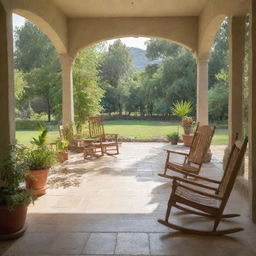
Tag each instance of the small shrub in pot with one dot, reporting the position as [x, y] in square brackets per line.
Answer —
[14, 197]
[173, 138]
[62, 149]
[39, 159]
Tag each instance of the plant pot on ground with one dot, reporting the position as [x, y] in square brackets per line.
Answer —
[39, 159]
[173, 138]
[62, 149]
[187, 139]
[14, 199]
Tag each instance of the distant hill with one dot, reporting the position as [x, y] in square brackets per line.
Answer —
[140, 61]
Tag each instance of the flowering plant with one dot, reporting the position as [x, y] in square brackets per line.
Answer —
[187, 121]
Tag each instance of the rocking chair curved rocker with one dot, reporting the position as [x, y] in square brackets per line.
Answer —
[194, 159]
[206, 204]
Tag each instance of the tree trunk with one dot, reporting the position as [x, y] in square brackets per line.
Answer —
[120, 109]
[48, 108]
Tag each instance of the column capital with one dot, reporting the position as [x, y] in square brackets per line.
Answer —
[66, 59]
[202, 60]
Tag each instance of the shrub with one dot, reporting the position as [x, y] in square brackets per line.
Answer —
[39, 158]
[173, 136]
[26, 125]
[12, 174]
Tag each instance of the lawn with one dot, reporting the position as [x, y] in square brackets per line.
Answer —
[131, 129]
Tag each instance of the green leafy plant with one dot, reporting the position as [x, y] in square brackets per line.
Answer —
[12, 174]
[173, 136]
[40, 141]
[39, 158]
[69, 132]
[187, 121]
[181, 108]
[62, 145]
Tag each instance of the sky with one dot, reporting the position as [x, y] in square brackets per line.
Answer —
[138, 42]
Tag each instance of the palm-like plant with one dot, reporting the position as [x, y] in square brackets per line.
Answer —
[181, 108]
[42, 137]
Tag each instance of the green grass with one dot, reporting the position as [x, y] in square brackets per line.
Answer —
[24, 137]
[131, 128]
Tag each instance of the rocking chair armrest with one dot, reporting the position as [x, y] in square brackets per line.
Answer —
[197, 176]
[194, 183]
[112, 134]
[198, 191]
[177, 152]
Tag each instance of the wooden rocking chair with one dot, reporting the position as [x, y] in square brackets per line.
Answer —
[67, 133]
[107, 143]
[194, 159]
[206, 204]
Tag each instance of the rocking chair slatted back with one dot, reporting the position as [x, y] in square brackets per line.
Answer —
[232, 168]
[200, 144]
[96, 127]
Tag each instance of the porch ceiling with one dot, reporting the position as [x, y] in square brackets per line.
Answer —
[130, 8]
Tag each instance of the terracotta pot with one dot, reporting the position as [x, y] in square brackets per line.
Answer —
[187, 129]
[187, 139]
[63, 156]
[37, 181]
[174, 141]
[208, 157]
[12, 221]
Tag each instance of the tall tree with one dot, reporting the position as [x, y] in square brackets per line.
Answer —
[37, 58]
[218, 61]
[160, 49]
[87, 94]
[114, 69]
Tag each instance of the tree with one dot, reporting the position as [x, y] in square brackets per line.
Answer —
[172, 80]
[87, 94]
[159, 49]
[219, 57]
[116, 64]
[218, 99]
[37, 58]
[20, 87]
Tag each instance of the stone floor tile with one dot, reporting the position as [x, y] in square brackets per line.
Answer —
[132, 244]
[32, 243]
[174, 244]
[101, 243]
[69, 243]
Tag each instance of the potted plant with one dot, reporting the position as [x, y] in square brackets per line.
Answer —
[187, 123]
[14, 198]
[62, 148]
[39, 159]
[182, 109]
[173, 138]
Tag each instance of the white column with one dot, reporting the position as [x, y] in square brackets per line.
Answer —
[67, 89]
[252, 108]
[202, 91]
[236, 58]
[7, 98]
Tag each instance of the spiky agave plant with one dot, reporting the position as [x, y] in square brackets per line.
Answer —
[181, 108]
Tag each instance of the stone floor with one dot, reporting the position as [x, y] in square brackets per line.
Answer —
[110, 206]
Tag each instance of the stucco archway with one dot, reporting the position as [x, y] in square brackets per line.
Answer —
[182, 31]
[207, 37]
[45, 27]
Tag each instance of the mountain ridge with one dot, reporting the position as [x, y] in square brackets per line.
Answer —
[139, 59]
